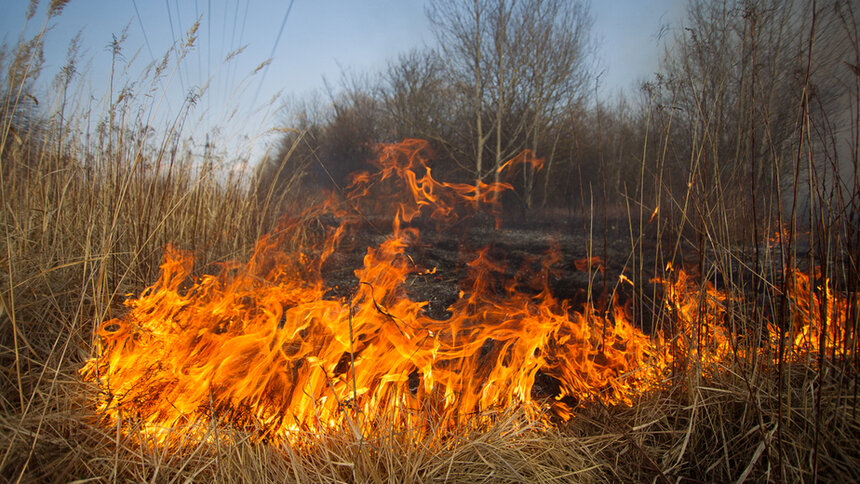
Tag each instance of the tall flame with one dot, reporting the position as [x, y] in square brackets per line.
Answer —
[262, 345]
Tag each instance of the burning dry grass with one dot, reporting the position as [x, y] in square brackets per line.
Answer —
[262, 344]
[750, 419]
[511, 450]
[85, 223]
[746, 419]
[724, 429]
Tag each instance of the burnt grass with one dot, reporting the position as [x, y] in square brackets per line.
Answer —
[518, 248]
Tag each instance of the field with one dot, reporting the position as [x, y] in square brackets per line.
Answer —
[749, 370]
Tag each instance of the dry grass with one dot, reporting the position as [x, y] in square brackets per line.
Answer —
[84, 220]
[715, 432]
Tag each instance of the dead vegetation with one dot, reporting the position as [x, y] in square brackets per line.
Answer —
[86, 216]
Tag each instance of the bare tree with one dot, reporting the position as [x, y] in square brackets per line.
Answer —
[733, 81]
[462, 30]
[517, 64]
[411, 89]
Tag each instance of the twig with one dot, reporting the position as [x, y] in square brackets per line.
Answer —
[383, 312]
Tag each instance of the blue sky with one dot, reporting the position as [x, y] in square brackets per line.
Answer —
[320, 38]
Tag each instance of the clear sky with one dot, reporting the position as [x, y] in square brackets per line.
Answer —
[320, 38]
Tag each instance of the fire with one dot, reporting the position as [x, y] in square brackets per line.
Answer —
[819, 317]
[818, 320]
[781, 234]
[584, 265]
[262, 346]
[699, 315]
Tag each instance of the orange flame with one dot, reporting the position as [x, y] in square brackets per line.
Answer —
[779, 235]
[583, 265]
[819, 317]
[262, 346]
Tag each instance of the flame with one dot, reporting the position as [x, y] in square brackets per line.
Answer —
[819, 317]
[699, 312]
[585, 264]
[818, 320]
[262, 346]
[778, 236]
[654, 213]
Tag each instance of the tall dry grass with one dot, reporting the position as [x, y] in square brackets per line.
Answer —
[754, 159]
[91, 193]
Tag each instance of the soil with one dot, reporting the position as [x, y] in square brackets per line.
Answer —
[519, 246]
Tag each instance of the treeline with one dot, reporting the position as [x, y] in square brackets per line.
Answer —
[752, 115]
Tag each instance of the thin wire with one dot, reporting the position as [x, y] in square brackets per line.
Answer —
[148, 46]
[272, 54]
[145, 37]
[178, 27]
[173, 36]
[200, 78]
[244, 22]
[231, 69]
[209, 51]
[199, 60]
[241, 39]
